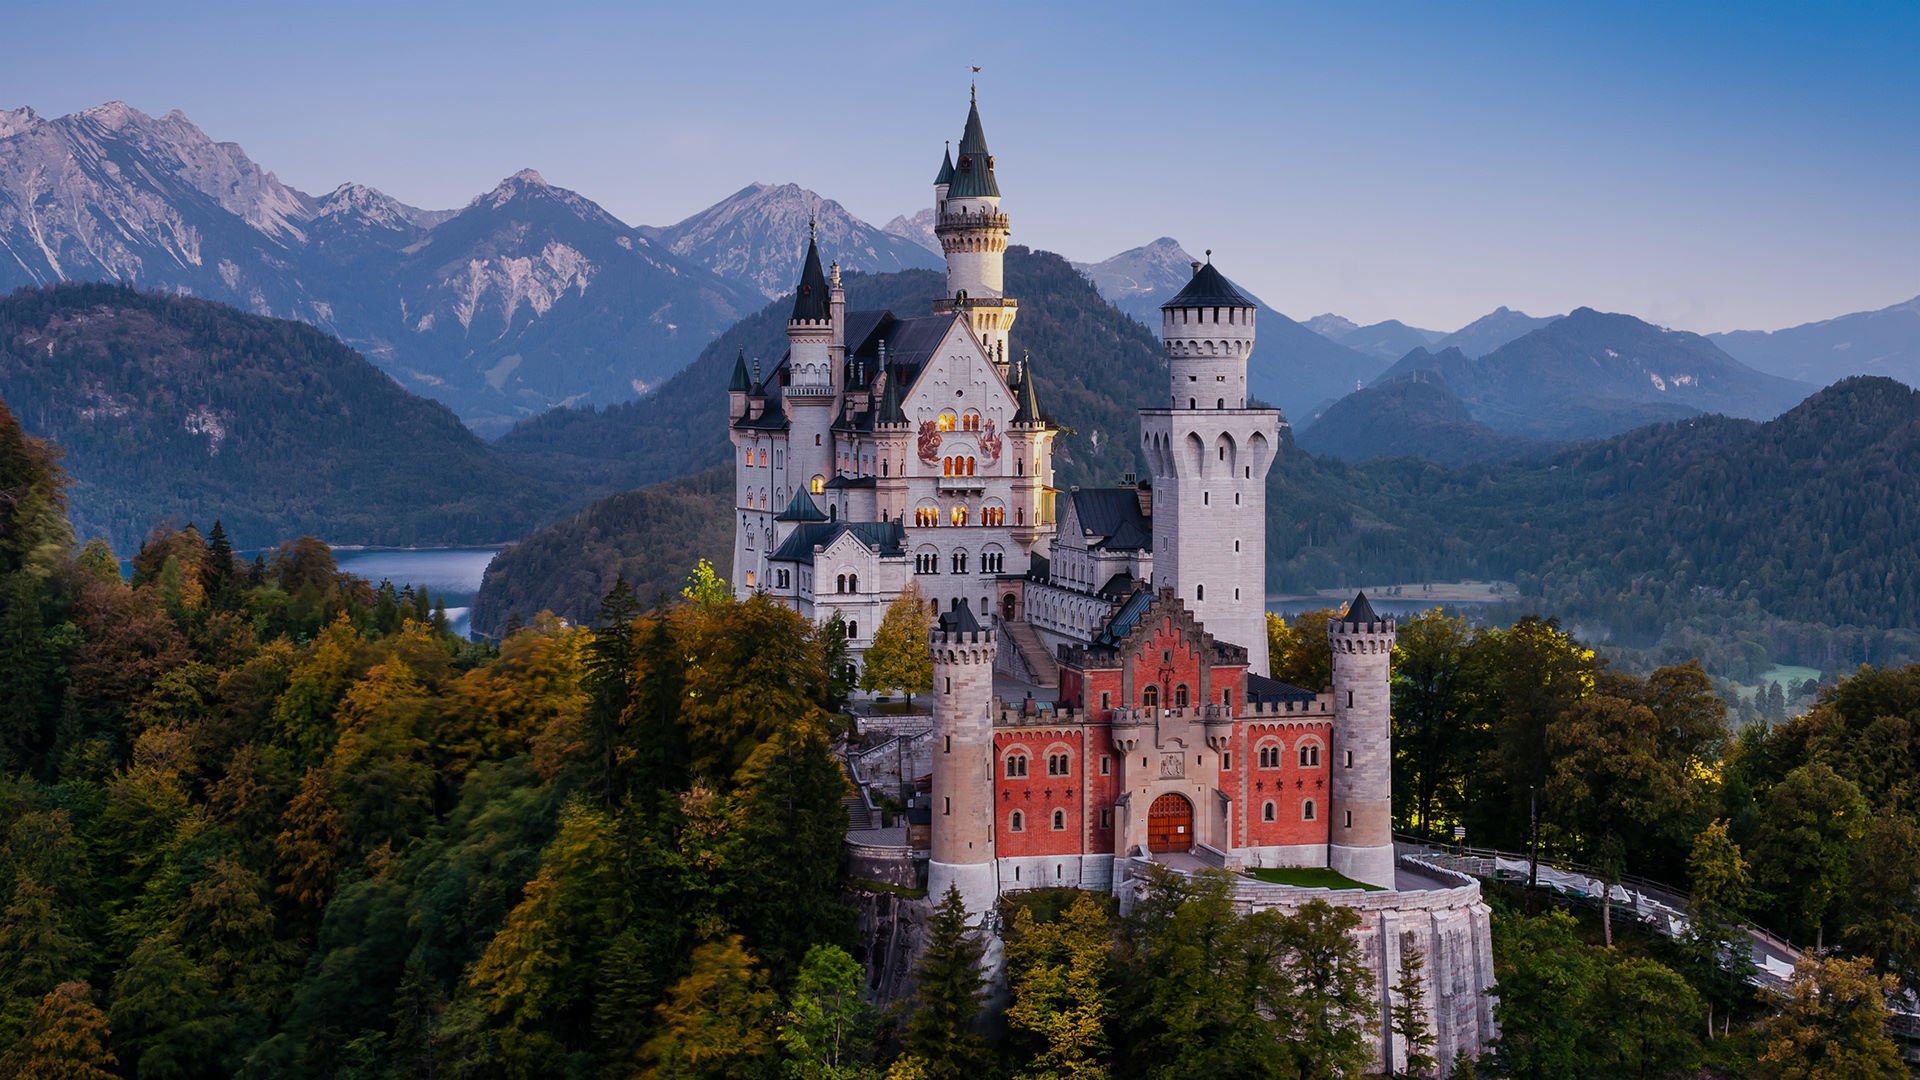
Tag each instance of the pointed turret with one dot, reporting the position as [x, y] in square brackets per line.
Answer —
[740, 383]
[801, 508]
[1026, 402]
[1360, 612]
[945, 176]
[973, 172]
[810, 300]
[891, 411]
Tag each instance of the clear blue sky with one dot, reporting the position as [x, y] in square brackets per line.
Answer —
[1706, 166]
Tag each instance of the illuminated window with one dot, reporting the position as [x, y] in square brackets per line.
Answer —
[818, 485]
[946, 420]
[958, 515]
[763, 457]
[749, 579]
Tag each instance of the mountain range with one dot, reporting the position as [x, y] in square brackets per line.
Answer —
[1884, 342]
[1587, 375]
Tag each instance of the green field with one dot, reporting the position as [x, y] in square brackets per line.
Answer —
[1308, 877]
[1786, 674]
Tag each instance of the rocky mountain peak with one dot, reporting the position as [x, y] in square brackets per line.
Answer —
[15, 121]
[360, 203]
[917, 229]
[1330, 326]
[757, 234]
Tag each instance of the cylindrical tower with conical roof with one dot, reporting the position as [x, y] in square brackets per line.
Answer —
[1360, 776]
[973, 234]
[963, 807]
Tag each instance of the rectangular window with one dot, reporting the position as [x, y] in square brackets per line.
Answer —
[1226, 762]
[1106, 699]
[1349, 759]
[948, 808]
[1349, 819]
[1106, 765]
[1106, 819]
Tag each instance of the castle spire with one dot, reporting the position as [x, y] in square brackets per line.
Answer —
[810, 299]
[973, 172]
[739, 383]
[945, 176]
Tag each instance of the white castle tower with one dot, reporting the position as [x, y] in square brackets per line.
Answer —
[1360, 779]
[973, 234]
[963, 809]
[1210, 454]
[814, 348]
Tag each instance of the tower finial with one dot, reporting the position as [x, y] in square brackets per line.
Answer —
[1209, 256]
[813, 232]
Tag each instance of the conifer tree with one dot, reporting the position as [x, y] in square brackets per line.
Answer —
[1058, 975]
[216, 567]
[898, 658]
[940, 1035]
[717, 1022]
[1408, 1014]
[1776, 703]
[66, 1039]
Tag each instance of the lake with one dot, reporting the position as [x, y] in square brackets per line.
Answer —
[450, 574]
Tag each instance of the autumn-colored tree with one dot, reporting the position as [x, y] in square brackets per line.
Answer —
[828, 1028]
[66, 1039]
[718, 1021]
[706, 587]
[940, 1032]
[898, 658]
[1299, 651]
[1833, 1025]
[307, 849]
[1057, 971]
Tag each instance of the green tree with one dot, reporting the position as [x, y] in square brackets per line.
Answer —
[1407, 1016]
[940, 1034]
[1882, 909]
[1329, 1031]
[718, 1021]
[898, 658]
[828, 1028]
[1833, 1025]
[1534, 671]
[1804, 843]
[1057, 971]
[167, 1021]
[1431, 738]
[706, 587]
[1717, 947]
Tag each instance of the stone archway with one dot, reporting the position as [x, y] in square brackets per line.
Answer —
[1170, 824]
[1007, 607]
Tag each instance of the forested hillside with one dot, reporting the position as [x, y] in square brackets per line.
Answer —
[166, 406]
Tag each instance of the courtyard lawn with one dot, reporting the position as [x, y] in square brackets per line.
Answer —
[1308, 877]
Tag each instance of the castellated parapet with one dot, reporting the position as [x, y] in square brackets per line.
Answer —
[1360, 838]
[962, 836]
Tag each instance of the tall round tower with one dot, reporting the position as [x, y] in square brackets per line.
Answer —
[1360, 828]
[962, 856]
[1210, 455]
[973, 234]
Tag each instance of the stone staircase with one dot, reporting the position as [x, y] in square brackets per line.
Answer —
[859, 815]
[1033, 652]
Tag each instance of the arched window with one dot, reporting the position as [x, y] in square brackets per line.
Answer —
[1270, 756]
[969, 466]
[1150, 697]
[1016, 822]
[1267, 812]
[853, 583]
[1199, 592]
[959, 562]
[763, 458]
[958, 515]
[1057, 764]
[1307, 811]
[1310, 755]
[1016, 764]
[1180, 696]
[946, 420]
[818, 485]
[946, 466]
[840, 584]
[1059, 820]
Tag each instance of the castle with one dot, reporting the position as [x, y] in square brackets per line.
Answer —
[1100, 698]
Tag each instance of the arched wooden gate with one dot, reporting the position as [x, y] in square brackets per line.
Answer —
[1170, 824]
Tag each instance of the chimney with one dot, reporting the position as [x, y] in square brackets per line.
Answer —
[1196, 265]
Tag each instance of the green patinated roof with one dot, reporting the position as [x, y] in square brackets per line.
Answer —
[810, 299]
[800, 508]
[945, 176]
[973, 173]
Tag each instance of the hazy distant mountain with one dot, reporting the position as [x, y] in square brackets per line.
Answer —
[1883, 342]
[1292, 367]
[1593, 374]
[1492, 330]
[757, 235]
[1413, 414]
[917, 228]
[1330, 326]
[1389, 340]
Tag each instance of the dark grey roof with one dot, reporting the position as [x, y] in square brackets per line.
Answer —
[739, 383]
[1360, 612]
[973, 173]
[945, 176]
[798, 547]
[959, 621]
[1117, 586]
[772, 418]
[1112, 516]
[1261, 688]
[890, 411]
[800, 508]
[1026, 403]
[839, 483]
[810, 299]
[910, 342]
[1208, 288]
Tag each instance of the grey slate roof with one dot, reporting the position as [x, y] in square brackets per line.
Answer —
[959, 621]
[1113, 515]
[801, 508]
[810, 299]
[1026, 402]
[1261, 688]
[798, 547]
[1208, 288]
[973, 173]
[945, 175]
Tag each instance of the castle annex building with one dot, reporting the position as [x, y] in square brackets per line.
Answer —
[1101, 698]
